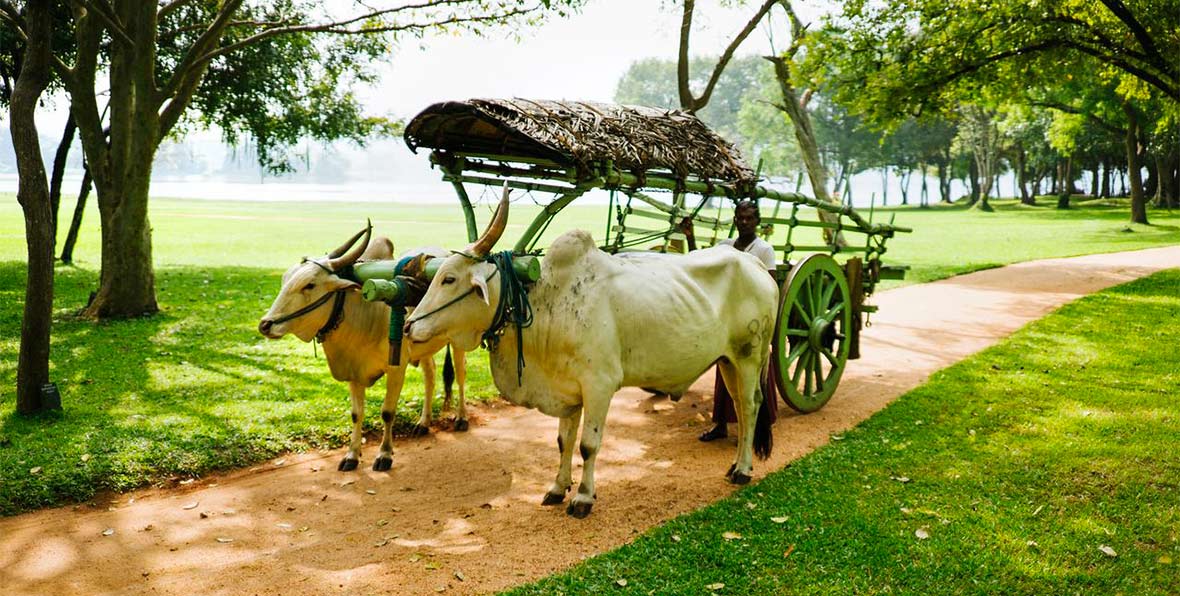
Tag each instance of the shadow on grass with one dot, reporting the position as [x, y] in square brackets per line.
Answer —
[193, 389]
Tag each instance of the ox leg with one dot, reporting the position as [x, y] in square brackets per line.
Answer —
[395, 378]
[460, 360]
[357, 392]
[428, 370]
[593, 427]
[743, 386]
[567, 433]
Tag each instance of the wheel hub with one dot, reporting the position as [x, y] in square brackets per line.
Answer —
[818, 332]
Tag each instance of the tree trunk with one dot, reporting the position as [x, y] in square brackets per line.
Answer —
[1151, 185]
[944, 182]
[1022, 176]
[1138, 198]
[884, 185]
[33, 194]
[904, 179]
[973, 179]
[1174, 188]
[67, 249]
[985, 184]
[808, 147]
[924, 196]
[1105, 179]
[1094, 182]
[59, 169]
[1065, 177]
[127, 282]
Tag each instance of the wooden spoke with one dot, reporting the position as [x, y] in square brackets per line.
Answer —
[814, 319]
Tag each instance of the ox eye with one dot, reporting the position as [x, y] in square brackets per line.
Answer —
[309, 287]
[450, 279]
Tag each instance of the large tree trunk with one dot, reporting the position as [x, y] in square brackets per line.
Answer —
[67, 249]
[33, 194]
[1022, 176]
[985, 183]
[973, 179]
[944, 182]
[1151, 185]
[127, 283]
[1094, 182]
[1138, 198]
[1173, 194]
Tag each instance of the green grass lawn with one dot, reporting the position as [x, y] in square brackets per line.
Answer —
[1012, 472]
[196, 389]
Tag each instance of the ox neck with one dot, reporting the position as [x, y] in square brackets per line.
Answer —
[334, 319]
[512, 307]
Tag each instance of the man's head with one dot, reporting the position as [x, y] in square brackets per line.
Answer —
[746, 217]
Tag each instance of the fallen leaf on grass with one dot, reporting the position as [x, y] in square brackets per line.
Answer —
[782, 519]
[622, 583]
[716, 586]
[35, 471]
[85, 457]
[1164, 560]
[901, 479]
[675, 538]
[1038, 510]
[921, 533]
[750, 505]
[192, 505]
[731, 536]
[790, 549]
[1032, 544]
[1106, 550]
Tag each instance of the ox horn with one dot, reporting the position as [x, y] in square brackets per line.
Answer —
[337, 260]
[484, 245]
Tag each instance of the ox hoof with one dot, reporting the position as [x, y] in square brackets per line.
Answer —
[729, 472]
[739, 478]
[460, 425]
[347, 465]
[553, 499]
[578, 510]
[419, 431]
[382, 464]
[675, 396]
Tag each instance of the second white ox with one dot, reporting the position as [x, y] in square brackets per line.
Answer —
[319, 302]
[601, 323]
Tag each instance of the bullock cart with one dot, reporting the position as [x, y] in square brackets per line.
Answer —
[658, 168]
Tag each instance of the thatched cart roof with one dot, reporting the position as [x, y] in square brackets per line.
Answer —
[579, 132]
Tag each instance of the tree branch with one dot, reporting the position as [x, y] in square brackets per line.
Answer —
[118, 31]
[191, 64]
[729, 51]
[1068, 109]
[686, 98]
[1120, 11]
[168, 7]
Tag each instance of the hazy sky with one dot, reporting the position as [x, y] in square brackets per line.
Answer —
[580, 57]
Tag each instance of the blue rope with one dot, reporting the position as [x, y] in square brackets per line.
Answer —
[513, 307]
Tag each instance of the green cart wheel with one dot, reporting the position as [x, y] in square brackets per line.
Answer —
[811, 334]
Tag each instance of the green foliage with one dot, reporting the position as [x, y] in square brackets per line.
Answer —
[1005, 474]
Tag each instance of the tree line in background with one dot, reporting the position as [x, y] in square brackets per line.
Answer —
[966, 89]
[1060, 121]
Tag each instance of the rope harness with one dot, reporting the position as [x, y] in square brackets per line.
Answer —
[337, 315]
[513, 306]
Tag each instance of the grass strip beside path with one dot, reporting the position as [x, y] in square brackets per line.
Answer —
[1044, 465]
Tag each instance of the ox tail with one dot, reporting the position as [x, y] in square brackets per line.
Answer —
[448, 375]
[763, 438]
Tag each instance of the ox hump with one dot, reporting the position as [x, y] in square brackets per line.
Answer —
[569, 248]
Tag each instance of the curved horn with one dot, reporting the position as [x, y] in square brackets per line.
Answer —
[344, 247]
[484, 245]
[339, 262]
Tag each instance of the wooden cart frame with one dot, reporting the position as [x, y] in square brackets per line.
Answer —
[566, 149]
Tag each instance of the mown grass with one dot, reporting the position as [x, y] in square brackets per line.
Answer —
[1020, 464]
[196, 389]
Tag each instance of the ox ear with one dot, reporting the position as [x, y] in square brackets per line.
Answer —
[337, 284]
[481, 288]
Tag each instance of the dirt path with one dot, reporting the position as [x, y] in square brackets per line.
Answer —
[468, 504]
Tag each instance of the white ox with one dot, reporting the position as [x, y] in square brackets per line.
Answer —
[356, 343]
[603, 322]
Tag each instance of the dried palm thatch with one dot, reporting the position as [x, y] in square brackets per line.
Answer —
[577, 133]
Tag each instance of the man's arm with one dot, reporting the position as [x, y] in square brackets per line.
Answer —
[685, 228]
